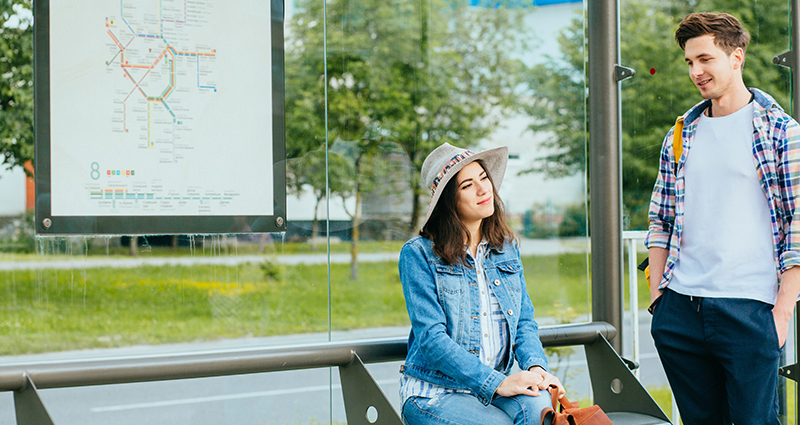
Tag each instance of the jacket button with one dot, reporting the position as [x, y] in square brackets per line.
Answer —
[497, 282]
[510, 312]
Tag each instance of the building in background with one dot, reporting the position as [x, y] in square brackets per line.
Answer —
[16, 192]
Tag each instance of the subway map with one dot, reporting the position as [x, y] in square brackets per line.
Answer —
[160, 107]
[165, 74]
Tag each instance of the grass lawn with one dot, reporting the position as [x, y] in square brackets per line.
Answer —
[54, 310]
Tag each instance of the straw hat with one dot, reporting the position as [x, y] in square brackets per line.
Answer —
[446, 161]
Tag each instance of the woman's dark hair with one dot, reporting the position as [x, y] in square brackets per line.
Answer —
[445, 229]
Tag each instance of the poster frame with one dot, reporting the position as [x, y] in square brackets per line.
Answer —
[47, 224]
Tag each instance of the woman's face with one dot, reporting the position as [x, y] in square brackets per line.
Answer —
[474, 194]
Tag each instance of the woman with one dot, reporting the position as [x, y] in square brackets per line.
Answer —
[470, 312]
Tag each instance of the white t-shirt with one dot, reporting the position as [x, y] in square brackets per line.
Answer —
[726, 245]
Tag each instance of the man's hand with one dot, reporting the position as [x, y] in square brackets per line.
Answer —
[529, 382]
[784, 305]
[781, 326]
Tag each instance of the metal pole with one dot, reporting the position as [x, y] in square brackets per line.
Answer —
[633, 280]
[605, 171]
[791, 60]
[794, 58]
[204, 364]
[795, 67]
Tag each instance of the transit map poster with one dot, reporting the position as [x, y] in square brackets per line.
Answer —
[162, 108]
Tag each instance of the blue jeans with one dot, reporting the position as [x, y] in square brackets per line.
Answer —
[465, 409]
[721, 357]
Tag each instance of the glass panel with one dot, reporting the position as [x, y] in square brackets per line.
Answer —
[405, 77]
[81, 298]
[546, 186]
[372, 87]
[660, 92]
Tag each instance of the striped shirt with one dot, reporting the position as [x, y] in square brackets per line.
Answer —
[494, 336]
[776, 155]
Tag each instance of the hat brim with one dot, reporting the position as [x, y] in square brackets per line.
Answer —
[495, 160]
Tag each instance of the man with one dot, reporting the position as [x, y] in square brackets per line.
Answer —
[724, 236]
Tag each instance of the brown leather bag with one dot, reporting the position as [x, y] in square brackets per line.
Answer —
[570, 414]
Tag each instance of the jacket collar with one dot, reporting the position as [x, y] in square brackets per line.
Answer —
[763, 102]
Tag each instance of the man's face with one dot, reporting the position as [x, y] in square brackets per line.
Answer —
[711, 70]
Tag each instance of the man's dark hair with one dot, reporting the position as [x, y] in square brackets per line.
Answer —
[727, 31]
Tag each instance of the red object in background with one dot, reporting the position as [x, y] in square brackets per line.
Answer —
[652, 71]
[30, 188]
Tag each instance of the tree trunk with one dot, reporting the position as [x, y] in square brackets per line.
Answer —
[355, 236]
[174, 242]
[134, 246]
[413, 181]
[415, 211]
[414, 178]
[315, 225]
[262, 243]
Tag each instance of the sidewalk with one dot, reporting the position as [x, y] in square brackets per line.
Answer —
[527, 247]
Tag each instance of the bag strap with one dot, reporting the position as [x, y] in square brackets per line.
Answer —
[565, 403]
[677, 149]
[677, 142]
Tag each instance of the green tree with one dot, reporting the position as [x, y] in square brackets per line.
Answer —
[418, 73]
[367, 157]
[16, 84]
[409, 73]
[574, 221]
[652, 100]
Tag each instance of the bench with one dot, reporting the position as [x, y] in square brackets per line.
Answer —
[615, 387]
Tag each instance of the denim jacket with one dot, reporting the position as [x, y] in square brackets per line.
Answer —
[443, 305]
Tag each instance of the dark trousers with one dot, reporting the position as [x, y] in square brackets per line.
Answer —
[721, 358]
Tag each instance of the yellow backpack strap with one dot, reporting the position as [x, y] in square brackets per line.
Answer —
[677, 142]
[677, 148]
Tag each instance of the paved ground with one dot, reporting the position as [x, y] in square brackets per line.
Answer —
[528, 247]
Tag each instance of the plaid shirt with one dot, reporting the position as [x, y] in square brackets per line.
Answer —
[776, 156]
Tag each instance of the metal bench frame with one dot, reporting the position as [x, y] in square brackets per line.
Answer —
[616, 389]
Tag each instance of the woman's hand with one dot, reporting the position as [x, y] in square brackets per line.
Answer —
[529, 382]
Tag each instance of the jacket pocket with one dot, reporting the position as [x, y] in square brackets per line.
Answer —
[509, 287]
[449, 278]
[511, 272]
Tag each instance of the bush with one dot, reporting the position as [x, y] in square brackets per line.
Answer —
[574, 221]
[273, 270]
[18, 236]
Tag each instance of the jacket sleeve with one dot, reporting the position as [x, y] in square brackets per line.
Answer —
[662, 202]
[430, 331]
[789, 177]
[528, 347]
